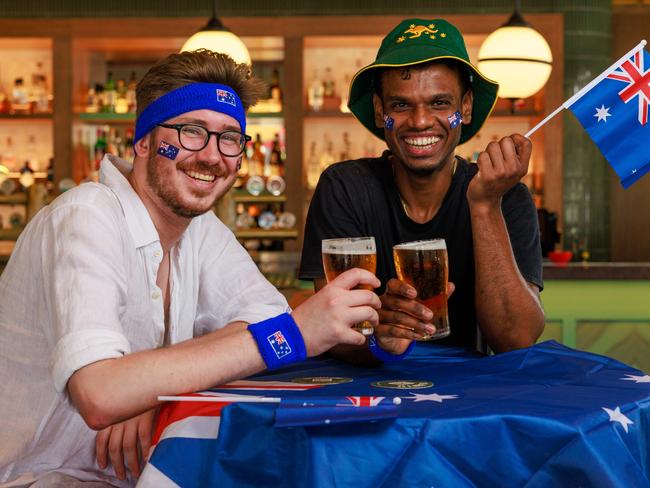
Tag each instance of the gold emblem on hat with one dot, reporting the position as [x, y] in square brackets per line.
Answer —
[418, 30]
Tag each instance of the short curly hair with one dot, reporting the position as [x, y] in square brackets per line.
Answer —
[200, 66]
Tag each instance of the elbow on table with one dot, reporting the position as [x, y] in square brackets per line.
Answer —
[94, 403]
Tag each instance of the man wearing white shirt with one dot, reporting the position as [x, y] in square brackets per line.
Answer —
[130, 288]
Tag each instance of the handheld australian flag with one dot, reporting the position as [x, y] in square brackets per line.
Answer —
[614, 112]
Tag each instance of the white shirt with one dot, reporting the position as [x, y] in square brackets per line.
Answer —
[81, 287]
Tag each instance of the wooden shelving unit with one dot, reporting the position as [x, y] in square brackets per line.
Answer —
[76, 44]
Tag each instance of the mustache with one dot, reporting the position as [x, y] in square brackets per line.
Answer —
[205, 168]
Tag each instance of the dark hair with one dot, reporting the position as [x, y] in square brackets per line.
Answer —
[200, 66]
[463, 72]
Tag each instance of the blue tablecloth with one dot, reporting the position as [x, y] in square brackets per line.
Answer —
[538, 417]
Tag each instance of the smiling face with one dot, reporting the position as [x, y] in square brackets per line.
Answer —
[190, 184]
[420, 99]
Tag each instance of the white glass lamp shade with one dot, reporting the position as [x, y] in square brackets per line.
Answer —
[221, 41]
[518, 58]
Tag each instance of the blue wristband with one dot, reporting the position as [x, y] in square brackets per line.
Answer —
[384, 355]
[279, 341]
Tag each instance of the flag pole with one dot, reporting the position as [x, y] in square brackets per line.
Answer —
[188, 398]
[577, 96]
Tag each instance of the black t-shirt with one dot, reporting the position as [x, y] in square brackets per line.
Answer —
[359, 198]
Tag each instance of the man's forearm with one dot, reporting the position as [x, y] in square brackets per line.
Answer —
[113, 390]
[508, 309]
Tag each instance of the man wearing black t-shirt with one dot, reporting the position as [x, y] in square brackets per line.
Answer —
[423, 97]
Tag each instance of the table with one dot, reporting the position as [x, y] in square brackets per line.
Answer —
[537, 417]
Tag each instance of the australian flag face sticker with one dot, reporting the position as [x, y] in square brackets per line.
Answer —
[225, 96]
[455, 119]
[279, 344]
[168, 150]
[388, 122]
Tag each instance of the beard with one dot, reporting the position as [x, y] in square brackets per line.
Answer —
[171, 197]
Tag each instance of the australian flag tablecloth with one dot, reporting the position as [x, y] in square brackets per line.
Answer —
[444, 417]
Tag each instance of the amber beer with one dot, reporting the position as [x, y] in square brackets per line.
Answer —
[424, 266]
[339, 255]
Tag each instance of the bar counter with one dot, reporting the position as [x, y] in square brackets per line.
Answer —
[597, 271]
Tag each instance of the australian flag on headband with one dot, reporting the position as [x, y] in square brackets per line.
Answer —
[614, 113]
[543, 416]
[225, 96]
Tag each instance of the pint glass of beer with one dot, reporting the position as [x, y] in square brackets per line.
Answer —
[339, 255]
[424, 266]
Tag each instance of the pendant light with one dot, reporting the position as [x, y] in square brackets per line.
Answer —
[517, 57]
[216, 37]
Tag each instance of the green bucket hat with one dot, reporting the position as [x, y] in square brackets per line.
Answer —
[416, 41]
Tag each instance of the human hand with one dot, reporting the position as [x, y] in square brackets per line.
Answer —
[501, 166]
[126, 444]
[402, 318]
[325, 318]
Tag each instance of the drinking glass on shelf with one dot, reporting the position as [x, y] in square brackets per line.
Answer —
[424, 266]
[339, 255]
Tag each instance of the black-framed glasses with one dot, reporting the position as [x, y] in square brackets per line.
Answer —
[195, 137]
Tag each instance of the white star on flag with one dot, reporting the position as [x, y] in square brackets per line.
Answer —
[431, 397]
[602, 113]
[616, 416]
[637, 379]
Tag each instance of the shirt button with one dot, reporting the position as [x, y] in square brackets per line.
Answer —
[155, 295]
[157, 253]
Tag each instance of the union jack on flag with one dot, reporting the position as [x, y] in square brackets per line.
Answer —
[637, 83]
[619, 128]
[365, 401]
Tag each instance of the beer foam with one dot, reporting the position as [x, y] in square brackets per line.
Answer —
[349, 246]
[431, 245]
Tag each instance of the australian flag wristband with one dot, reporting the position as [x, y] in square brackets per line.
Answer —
[279, 341]
[384, 355]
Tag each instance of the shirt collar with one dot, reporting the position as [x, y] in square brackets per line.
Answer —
[113, 173]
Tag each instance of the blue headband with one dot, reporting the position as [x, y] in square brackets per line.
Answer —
[196, 96]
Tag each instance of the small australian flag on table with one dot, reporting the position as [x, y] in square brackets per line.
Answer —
[279, 344]
[167, 150]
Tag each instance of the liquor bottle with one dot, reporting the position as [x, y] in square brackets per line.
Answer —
[99, 151]
[256, 162]
[327, 156]
[315, 93]
[81, 167]
[313, 170]
[329, 86]
[31, 153]
[4, 100]
[8, 155]
[100, 98]
[121, 103]
[110, 93]
[345, 91]
[276, 163]
[129, 151]
[40, 90]
[19, 99]
[130, 92]
[92, 103]
[275, 90]
[112, 142]
[345, 147]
